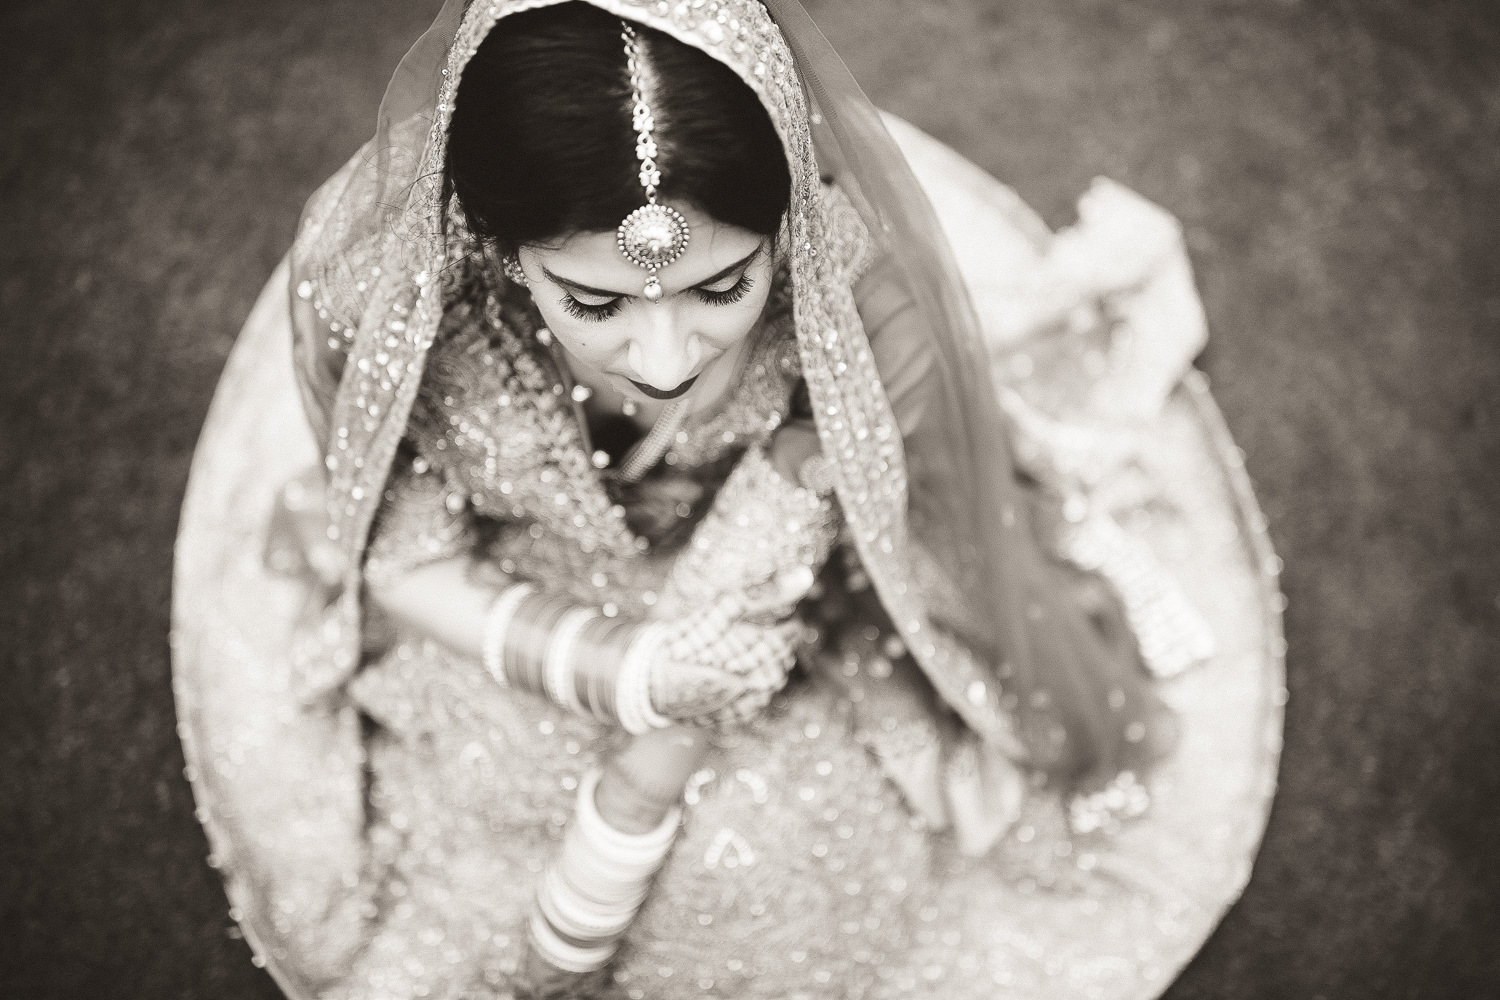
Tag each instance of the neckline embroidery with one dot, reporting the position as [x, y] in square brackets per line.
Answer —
[493, 416]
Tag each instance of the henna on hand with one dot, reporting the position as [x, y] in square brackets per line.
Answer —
[689, 692]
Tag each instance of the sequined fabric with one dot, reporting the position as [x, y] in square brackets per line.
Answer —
[806, 866]
[380, 811]
[389, 314]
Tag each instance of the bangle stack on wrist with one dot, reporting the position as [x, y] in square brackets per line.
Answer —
[582, 661]
[601, 641]
[633, 683]
[528, 638]
[590, 894]
[559, 668]
[496, 625]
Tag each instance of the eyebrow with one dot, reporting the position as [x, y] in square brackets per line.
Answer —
[606, 294]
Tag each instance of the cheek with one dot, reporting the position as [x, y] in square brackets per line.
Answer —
[585, 340]
[726, 326]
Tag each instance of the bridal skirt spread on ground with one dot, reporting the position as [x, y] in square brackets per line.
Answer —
[387, 845]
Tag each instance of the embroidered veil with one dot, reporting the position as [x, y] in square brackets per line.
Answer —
[919, 447]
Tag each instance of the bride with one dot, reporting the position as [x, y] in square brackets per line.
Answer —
[671, 585]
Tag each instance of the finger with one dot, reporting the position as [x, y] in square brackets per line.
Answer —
[749, 640]
[779, 647]
[684, 650]
[688, 691]
[746, 664]
[710, 620]
[769, 673]
[726, 654]
[695, 642]
[726, 609]
[744, 637]
[727, 715]
[774, 675]
[747, 708]
[707, 627]
[790, 631]
[765, 685]
[779, 593]
[736, 711]
[719, 634]
[739, 638]
[771, 655]
[751, 633]
[723, 616]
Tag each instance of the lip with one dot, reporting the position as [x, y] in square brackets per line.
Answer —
[655, 393]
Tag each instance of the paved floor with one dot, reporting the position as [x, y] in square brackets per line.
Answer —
[1337, 166]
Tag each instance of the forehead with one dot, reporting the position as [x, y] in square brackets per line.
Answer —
[595, 259]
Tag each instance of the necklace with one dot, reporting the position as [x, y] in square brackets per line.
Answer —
[645, 453]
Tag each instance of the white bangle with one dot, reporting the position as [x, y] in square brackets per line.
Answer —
[559, 666]
[633, 683]
[575, 915]
[617, 845]
[604, 872]
[598, 883]
[496, 625]
[601, 886]
[568, 957]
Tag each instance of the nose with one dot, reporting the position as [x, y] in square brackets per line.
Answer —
[663, 352]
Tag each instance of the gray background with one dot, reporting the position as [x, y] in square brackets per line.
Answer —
[1335, 166]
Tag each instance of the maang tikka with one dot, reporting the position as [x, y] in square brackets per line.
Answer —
[654, 235]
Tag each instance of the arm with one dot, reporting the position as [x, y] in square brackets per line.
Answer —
[445, 600]
[682, 670]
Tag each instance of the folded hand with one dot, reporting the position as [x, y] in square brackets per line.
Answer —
[726, 662]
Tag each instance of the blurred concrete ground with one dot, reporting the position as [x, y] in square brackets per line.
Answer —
[1336, 164]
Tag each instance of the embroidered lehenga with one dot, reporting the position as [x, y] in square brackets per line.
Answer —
[895, 823]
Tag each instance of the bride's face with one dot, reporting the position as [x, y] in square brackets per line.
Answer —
[688, 343]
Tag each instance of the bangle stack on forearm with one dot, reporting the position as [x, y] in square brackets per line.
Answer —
[591, 892]
[577, 657]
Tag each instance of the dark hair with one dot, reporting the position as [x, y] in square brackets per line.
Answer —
[541, 143]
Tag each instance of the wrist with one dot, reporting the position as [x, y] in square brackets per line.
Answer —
[497, 623]
[590, 894]
[575, 656]
[627, 804]
[560, 669]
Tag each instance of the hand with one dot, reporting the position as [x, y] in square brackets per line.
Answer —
[730, 679]
[539, 979]
[725, 663]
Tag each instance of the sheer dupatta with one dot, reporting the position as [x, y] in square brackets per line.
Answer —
[909, 418]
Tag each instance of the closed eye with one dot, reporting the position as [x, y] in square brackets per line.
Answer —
[589, 311]
[727, 296]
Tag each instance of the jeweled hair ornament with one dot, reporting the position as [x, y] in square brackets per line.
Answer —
[654, 235]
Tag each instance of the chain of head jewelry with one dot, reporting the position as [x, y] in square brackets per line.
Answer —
[654, 235]
[640, 114]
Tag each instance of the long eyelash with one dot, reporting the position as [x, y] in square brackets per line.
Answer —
[728, 296]
[584, 311]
